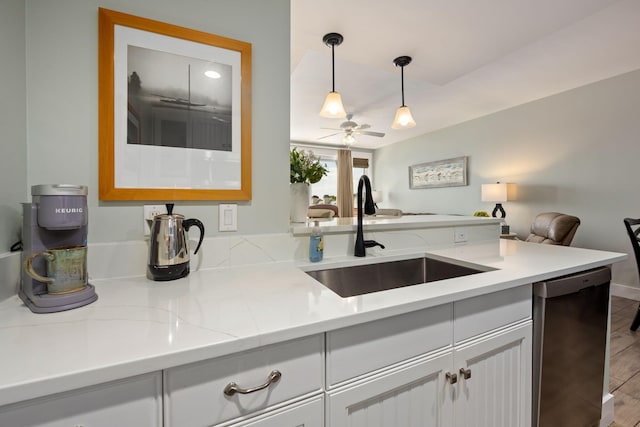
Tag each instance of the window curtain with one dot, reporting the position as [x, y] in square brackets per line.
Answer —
[345, 183]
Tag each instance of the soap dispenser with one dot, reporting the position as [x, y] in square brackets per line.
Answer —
[316, 243]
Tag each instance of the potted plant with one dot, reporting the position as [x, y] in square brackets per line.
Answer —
[306, 169]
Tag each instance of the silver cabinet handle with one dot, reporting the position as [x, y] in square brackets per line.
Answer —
[452, 378]
[233, 388]
[465, 373]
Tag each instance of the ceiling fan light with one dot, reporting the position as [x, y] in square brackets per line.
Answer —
[403, 119]
[348, 139]
[332, 107]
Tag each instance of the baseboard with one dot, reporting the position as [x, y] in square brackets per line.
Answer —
[607, 410]
[624, 291]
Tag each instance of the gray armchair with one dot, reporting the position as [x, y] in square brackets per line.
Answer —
[553, 228]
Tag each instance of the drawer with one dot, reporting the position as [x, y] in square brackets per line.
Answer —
[135, 401]
[308, 413]
[359, 349]
[194, 393]
[475, 316]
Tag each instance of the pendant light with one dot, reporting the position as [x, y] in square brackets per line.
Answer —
[403, 119]
[332, 107]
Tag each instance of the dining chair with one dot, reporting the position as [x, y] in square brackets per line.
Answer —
[633, 230]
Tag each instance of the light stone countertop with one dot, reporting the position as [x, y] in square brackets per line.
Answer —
[387, 222]
[139, 326]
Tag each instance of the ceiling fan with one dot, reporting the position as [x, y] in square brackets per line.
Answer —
[351, 128]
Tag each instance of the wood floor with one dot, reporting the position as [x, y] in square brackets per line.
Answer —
[624, 370]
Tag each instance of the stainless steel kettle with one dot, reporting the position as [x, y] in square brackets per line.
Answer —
[168, 245]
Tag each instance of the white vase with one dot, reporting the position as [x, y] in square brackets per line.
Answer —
[298, 202]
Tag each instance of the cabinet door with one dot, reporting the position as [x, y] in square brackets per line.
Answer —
[309, 413]
[412, 395]
[131, 402]
[498, 390]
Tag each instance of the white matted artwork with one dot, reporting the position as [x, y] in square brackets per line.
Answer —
[175, 119]
[441, 173]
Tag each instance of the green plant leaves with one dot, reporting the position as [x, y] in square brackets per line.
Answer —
[305, 167]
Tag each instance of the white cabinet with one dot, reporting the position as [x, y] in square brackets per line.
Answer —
[493, 387]
[361, 349]
[195, 394]
[482, 378]
[412, 395]
[134, 401]
[492, 345]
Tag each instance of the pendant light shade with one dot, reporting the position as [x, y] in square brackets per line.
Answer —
[332, 107]
[403, 118]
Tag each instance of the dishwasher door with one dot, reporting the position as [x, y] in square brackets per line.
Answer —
[570, 332]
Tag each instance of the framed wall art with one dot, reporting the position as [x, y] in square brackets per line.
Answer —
[174, 112]
[441, 173]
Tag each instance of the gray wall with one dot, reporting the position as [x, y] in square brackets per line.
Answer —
[577, 152]
[13, 161]
[62, 105]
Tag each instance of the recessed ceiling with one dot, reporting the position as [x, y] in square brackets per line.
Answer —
[470, 58]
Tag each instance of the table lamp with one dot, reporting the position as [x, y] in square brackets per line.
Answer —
[499, 193]
[377, 197]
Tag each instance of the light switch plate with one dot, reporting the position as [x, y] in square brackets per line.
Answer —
[228, 218]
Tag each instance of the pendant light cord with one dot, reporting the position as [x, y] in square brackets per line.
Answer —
[333, 69]
[402, 83]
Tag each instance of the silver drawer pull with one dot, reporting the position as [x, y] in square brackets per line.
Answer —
[465, 373]
[452, 378]
[232, 388]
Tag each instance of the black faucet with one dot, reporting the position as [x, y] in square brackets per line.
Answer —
[369, 209]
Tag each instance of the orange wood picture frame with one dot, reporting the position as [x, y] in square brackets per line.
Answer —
[107, 20]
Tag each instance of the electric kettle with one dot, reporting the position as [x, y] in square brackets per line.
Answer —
[168, 245]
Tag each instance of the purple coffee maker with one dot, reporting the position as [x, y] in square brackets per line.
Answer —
[56, 217]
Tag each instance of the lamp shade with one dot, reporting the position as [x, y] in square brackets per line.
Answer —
[377, 196]
[403, 119]
[332, 107]
[499, 192]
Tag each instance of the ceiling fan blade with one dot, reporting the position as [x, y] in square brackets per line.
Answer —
[328, 136]
[369, 133]
[332, 129]
[363, 126]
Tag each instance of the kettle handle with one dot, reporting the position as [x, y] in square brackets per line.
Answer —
[187, 223]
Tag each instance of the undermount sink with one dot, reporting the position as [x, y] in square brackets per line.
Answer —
[364, 279]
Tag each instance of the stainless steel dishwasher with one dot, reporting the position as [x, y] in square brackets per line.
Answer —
[569, 340]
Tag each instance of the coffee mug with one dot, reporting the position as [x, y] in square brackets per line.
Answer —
[66, 269]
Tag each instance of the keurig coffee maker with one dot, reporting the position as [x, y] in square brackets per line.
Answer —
[54, 238]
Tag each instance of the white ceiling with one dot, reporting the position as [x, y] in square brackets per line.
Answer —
[470, 58]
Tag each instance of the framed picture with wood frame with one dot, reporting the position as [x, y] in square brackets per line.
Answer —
[174, 112]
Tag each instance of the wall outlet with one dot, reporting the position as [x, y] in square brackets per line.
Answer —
[459, 236]
[149, 212]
